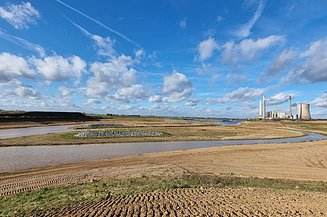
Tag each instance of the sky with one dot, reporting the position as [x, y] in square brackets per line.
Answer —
[166, 57]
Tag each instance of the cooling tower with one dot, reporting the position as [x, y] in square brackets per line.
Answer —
[303, 111]
[299, 110]
[306, 112]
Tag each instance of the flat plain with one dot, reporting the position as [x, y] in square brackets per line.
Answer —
[249, 180]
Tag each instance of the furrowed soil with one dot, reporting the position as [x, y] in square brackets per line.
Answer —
[204, 202]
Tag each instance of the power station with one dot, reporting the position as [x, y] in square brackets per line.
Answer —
[303, 111]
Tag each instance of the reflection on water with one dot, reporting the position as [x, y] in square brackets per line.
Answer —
[20, 158]
[30, 131]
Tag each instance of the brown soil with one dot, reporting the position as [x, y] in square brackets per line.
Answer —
[297, 161]
[205, 202]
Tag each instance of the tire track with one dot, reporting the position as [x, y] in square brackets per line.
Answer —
[204, 202]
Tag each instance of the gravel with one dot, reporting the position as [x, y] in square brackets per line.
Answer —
[92, 134]
[92, 126]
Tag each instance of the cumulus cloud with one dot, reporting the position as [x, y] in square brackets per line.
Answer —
[247, 49]
[242, 94]
[206, 48]
[18, 89]
[135, 91]
[155, 98]
[12, 67]
[321, 101]
[20, 16]
[245, 30]
[278, 99]
[28, 92]
[281, 62]
[176, 87]
[59, 68]
[314, 67]
[115, 80]
[237, 78]
[104, 45]
[65, 91]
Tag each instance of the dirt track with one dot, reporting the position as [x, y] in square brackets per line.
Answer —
[205, 202]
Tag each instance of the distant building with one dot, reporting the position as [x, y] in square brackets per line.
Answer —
[276, 115]
[303, 111]
[263, 108]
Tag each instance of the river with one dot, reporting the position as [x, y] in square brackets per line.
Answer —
[22, 158]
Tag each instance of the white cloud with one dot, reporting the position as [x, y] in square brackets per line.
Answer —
[12, 66]
[219, 18]
[58, 68]
[281, 62]
[321, 101]
[99, 23]
[192, 102]
[206, 48]
[314, 68]
[279, 99]
[183, 23]
[103, 45]
[18, 89]
[177, 87]
[20, 16]
[245, 30]
[242, 94]
[135, 91]
[155, 98]
[22, 43]
[115, 80]
[29, 92]
[247, 49]
[65, 91]
[139, 53]
[237, 78]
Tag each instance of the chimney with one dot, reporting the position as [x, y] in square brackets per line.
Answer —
[291, 107]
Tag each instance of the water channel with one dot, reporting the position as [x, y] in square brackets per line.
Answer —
[22, 158]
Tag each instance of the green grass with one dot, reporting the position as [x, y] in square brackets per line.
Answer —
[319, 127]
[32, 202]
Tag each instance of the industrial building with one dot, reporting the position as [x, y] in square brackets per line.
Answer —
[303, 111]
[276, 115]
[263, 108]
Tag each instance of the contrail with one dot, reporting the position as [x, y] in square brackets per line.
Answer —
[99, 23]
[22, 43]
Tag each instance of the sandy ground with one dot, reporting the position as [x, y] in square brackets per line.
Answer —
[297, 161]
[205, 202]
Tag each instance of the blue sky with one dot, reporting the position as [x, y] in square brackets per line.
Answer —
[185, 58]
